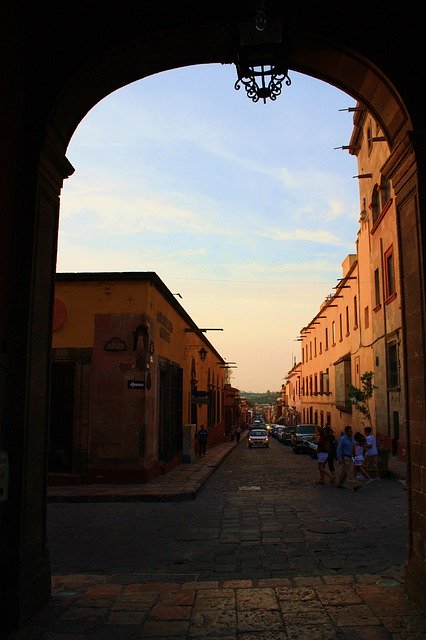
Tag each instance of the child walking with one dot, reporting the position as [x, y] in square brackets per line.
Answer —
[359, 448]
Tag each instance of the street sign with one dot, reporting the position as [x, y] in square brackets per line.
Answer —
[136, 384]
[199, 394]
[200, 397]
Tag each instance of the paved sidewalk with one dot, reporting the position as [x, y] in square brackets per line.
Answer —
[182, 483]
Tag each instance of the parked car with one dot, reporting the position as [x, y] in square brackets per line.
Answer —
[277, 430]
[302, 436]
[258, 438]
[286, 435]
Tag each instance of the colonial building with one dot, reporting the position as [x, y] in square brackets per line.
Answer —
[358, 328]
[133, 377]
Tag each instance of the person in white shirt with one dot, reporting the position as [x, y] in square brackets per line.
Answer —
[371, 453]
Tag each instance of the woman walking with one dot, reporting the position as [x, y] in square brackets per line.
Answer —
[323, 448]
[359, 450]
[332, 445]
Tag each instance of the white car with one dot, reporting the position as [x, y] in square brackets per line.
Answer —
[258, 438]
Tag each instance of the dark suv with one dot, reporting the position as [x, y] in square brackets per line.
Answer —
[302, 436]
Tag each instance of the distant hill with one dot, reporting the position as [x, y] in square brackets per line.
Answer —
[267, 397]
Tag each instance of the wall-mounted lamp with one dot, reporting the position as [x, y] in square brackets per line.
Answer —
[202, 352]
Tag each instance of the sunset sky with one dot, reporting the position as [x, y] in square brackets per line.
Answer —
[245, 209]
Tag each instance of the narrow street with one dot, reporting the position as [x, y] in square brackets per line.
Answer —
[260, 515]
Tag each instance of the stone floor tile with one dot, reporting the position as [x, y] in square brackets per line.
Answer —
[256, 598]
[169, 612]
[308, 581]
[296, 594]
[177, 598]
[214, 604]
[126, 617]
[343, 595]
[353, 615]
[316, 632]
[164, 630]
[102, 590]
[268, 635]
[337, 579]
[275, 582]
[237, 584]
[215, 593]
[207, 584]
[204, 623]
[365, 633]
[259, 620]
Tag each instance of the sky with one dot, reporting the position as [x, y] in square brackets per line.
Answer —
[245, 209]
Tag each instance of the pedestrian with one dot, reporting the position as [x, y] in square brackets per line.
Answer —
[238, 432]
[232, 434]
[359, 448]
[371, 453]
[322, 455]
[332, 445]
[202, 441]
[345, 456]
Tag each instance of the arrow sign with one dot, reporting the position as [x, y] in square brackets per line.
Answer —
[136, 384]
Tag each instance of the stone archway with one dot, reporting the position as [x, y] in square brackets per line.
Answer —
[38, 168]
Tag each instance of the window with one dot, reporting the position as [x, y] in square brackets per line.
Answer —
[325, 382]
[310, 351]
[355, 312]
[347, 321]
[366, 317]
[315, 384]
[326, 339]
[315, 347]
[377, 288]
[333, 333]
[375, 203]
[393, 365]
[342, 380]
[369, 139]
[320, 347]
[389, 273]
[340, 327]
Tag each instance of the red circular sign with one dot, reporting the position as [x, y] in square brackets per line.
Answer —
[59, 314]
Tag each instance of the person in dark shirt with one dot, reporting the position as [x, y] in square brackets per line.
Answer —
[332, 445]
[202, 441]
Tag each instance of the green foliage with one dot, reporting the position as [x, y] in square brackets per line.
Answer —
[359, 397]
[268, 397]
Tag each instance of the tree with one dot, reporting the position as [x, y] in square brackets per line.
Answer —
[359, 397]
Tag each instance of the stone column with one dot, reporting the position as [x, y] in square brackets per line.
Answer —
[406, 168]
[188, 443]
[33, 225]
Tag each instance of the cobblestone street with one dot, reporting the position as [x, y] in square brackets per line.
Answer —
[262, 552]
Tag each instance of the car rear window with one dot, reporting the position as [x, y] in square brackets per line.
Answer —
[306, 429]
[258, 432]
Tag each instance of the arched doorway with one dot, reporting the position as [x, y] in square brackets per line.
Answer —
[52, 80]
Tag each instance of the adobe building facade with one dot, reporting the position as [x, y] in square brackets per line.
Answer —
[358, 328]
[133, 378]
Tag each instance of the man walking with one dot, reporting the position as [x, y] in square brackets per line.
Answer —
[345, 453]
[371, 453]
[202, 441]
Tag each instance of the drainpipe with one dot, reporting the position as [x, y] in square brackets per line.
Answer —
[385, 331]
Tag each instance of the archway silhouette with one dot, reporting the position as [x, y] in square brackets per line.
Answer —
[105, 61]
